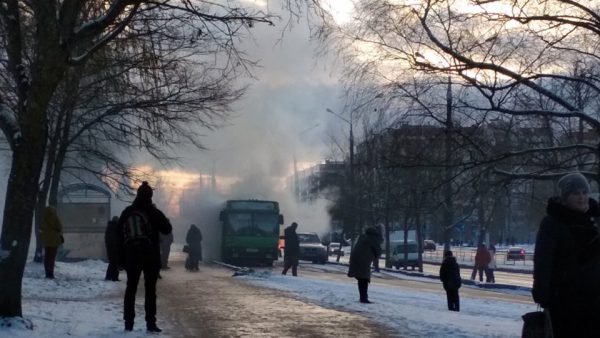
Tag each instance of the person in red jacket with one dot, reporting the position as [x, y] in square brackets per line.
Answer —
[482, 259]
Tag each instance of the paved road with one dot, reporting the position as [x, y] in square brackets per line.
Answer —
[210, 303]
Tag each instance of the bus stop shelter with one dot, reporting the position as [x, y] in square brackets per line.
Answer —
[84, 210]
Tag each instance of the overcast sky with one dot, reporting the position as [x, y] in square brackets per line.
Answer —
[283, 112]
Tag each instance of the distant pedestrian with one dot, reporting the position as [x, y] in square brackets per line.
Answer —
[165, 249]
[482, 259]
[566, 262]
[193, 239]
[111, 242]
[450, 277]
[52, 237]
[489, 275]
[365, 252]
[291, 251]
[140, 224]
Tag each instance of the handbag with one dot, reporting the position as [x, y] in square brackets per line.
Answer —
[537, 324]
[186, 248]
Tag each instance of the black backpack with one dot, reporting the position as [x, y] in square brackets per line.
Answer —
[136, 228]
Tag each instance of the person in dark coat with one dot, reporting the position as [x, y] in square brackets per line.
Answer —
[193, 239]
[142, 256]
[111, 242]
[165, 250]
[567, 260]
[365, 252]
[450, 277]
[52, 237]
[291, 249]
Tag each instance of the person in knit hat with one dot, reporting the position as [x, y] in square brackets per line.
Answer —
[140, 225]
[566, 271]
[573, 184]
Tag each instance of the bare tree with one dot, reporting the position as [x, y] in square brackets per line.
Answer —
[41, 40]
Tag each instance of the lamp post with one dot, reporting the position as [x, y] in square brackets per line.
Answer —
[351, 154]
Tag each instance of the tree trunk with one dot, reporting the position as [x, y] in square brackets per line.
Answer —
[18, 215]
[27, 159]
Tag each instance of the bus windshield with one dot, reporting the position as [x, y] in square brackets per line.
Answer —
[246, 224]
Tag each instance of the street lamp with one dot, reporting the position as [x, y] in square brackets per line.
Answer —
[351, 141]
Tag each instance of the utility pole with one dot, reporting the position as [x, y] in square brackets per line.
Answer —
[448, 212]
[351, 177]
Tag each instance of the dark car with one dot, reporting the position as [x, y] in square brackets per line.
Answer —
[429, 245]
[515, 254]
[311, 248]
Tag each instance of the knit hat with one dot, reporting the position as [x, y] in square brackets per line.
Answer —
[447, 253]
[144, 190]
[571, 183]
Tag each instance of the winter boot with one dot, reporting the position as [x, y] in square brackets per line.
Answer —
[128, 326]
[153, 328]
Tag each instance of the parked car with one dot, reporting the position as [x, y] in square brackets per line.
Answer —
[429, 245]
[335, 248]
[397, 258]
[515, 254]
[311, 248]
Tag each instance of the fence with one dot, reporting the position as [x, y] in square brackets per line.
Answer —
[467, 255]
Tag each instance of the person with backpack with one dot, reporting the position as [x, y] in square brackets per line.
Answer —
[140, 225]
[450, 277]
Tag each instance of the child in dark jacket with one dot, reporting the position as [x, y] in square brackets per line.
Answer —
[450, 277]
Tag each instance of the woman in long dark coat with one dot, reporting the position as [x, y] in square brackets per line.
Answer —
[566, 271]
[111, 241]
[366, 252]
[194, 242]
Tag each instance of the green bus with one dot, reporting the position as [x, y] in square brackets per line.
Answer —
[250, 232]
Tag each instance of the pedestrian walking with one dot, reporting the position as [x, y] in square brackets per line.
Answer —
[566, 271]
[450, 277]
[489, 274]
[365, 252]
[193, 239]
[482, 259]
[111, 242]
[165, 249]
[291, 250]
[52, 237]
[140, 225]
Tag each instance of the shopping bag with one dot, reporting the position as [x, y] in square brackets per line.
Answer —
[537, 324]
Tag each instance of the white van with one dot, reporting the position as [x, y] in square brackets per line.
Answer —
[397, 257]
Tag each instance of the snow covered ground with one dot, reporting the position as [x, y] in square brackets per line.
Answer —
[406, 311]
[79, 303]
